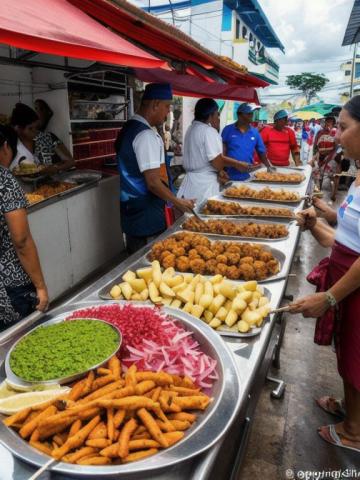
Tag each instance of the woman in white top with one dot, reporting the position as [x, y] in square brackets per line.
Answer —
[203, 154]
[343, 294]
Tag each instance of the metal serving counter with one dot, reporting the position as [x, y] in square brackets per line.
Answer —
[252, 357]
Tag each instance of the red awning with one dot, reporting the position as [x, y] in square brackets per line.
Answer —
[190, 86]
[59, 28]
[158, 36]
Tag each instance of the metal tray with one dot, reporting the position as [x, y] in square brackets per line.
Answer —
[104, 295]
[210, 426]
[80, 176]
[261, 186]
[238, 237]
[246, 203]
[23, 383]
[300, 170]
[278, 254]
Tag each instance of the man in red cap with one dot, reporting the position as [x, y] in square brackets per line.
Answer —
[140, 154]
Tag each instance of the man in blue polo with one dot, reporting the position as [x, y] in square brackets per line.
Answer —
[240, 140]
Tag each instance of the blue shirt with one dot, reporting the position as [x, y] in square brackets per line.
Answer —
[241, 146]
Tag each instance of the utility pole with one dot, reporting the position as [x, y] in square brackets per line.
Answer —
[353, 69]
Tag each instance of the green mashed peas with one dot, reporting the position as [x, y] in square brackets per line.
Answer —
[63, 349]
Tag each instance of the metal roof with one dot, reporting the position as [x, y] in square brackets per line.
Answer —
[254, 17]
[352, 32]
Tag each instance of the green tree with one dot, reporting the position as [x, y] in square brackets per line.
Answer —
[308, 83]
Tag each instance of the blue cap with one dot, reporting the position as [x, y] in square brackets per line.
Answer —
[245, 108]
[158, 91]
[280, 114]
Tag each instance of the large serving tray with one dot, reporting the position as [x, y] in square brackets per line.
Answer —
[246, 203]
[299, 170]
[300, 190]
[278, 254]
[19, 381]
[210, 426]
[238, 237]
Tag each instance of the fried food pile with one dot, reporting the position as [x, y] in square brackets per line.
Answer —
[266, 193]
[188, 252]
[34, 198]
[264, 176]
[48, 190]
[110, 417]
[243, 229]
[216, 207]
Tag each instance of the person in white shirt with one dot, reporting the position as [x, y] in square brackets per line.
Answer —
[203, 154]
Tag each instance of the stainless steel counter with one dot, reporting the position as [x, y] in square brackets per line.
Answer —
[251, 355]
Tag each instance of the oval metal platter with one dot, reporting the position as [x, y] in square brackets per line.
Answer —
[210, 426]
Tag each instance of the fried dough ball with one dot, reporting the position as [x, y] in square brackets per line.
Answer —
[232, 258]
[193, 253]
[178, 251]
[182, 264]
[205, 252]
[265, 256]
[164, 254]
[260, 269]
[218, 248]
[200, 240]
[232, 272]
[249, 260]
[222, 259]
[197, 265]
[168, 261]
[233, 249]
[273, 266]
[247, 272]
[221, 269]
[211, 266]
[157, 249]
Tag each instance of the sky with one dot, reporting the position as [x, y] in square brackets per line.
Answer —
[312, 32]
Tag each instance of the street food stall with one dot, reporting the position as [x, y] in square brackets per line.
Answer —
[242, 346]
[173, 345]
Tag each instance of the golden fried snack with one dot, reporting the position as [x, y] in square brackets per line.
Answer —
[264, 176]
[217, 207]
[266, 193]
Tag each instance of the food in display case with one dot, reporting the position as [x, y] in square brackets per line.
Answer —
[266, 193]
[240, 229]
[217, 301]
[217, 207]
[264, 176]
[188, 252]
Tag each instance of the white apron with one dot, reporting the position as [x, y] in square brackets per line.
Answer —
[199, 185]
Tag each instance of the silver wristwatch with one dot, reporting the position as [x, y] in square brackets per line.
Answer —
[330, 299]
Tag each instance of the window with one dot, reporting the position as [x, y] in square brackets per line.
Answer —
[251, 37]
[347, 73]
[237, 29]
[244, 32]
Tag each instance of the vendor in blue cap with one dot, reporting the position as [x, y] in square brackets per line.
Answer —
[280, 140]
[140, 153]
[241, 140]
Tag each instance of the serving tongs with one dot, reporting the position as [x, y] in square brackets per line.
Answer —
[42, 469]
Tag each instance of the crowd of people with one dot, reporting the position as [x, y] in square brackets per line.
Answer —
[210, 158]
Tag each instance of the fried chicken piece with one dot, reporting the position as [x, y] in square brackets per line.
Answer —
[210, 266]
[168, 261]
[266, 257]
[197, 265]
[260, 270]
[217, 248]
[222, 259]
[178, 251]
[221, 269]
[232, 258]
[248, 259]
[273, 266]
[182, 264]
[193, 253]
[246, 271]
[200, 240]
[232, 272]
[233, 249]
[164, 254]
